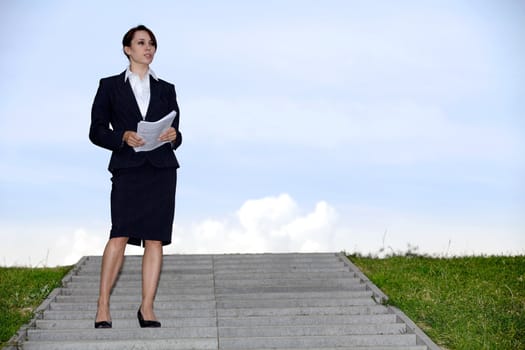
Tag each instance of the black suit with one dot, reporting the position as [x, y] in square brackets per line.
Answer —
[115, 111]
[143, 183]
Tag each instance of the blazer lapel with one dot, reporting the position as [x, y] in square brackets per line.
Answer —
[127, 98]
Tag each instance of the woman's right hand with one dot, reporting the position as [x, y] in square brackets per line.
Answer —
[132, 139]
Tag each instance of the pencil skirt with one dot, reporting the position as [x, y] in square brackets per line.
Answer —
[143, 203]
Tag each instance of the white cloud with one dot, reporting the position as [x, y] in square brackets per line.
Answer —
[270, 224]
[263, 214]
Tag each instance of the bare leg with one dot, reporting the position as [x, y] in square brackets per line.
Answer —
[151, 265]
[111, 264]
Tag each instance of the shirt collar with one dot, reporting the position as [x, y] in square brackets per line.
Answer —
[129, 73]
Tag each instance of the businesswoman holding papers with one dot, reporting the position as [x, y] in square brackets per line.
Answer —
[143, 182]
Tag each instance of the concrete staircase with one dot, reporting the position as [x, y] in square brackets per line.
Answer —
[231, 302]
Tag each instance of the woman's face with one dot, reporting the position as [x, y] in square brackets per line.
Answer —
[142, 49]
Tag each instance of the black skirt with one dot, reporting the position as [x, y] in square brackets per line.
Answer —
[143, 203]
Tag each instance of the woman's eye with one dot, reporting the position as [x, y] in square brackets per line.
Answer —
[141, 43]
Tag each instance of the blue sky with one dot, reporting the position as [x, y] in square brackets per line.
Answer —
[308, 125]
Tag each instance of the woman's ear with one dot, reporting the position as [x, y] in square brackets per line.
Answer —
[127, 50]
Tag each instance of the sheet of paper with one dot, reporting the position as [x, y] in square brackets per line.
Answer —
[150, 132]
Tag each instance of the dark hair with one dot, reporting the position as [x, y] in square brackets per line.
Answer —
[128, 37]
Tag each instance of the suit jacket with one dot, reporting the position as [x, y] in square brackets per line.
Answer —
[115, 111]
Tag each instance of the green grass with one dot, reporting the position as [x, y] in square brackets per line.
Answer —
[21, 291]
[461, 302]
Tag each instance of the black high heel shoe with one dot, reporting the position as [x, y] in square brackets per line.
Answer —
[145, 323]
[103, 324]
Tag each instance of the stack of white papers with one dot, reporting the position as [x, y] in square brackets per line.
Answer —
[150, 132]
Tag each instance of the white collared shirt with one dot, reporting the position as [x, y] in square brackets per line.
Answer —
[140, 89]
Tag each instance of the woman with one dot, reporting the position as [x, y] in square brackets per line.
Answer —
[143, 183]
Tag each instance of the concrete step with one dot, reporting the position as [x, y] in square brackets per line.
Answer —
[127, 268]
[134, 298]
[125, 323]
[189, 258]
[138, 284]
[94, 268]
[159, 305]
[263, 270]
[166, 268]
[135, 344]
[298, 311]
[246, 260]
[226, 274]
[304, 295]
[227, 304]
[288, 289]
[293, 303]
[300, 342]
[291, 275]
[268, 297]
[282, 283]
[404, 347]
[309, 331]
[180, 290]
[300, 259]
[167, 264]
[138, 277]
[170, 259]
[131, 314]
[272, 257]
[122, 334]
[306, 320]
[277, 266]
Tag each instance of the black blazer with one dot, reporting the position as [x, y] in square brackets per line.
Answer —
[115, 111]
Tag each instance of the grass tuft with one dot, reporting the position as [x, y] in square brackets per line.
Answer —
[460, 302]
[21, 291]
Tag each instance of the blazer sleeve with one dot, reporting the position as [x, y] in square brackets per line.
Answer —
[174, 106]
[100, 131]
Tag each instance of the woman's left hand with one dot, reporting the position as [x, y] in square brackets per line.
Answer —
[168, 135]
